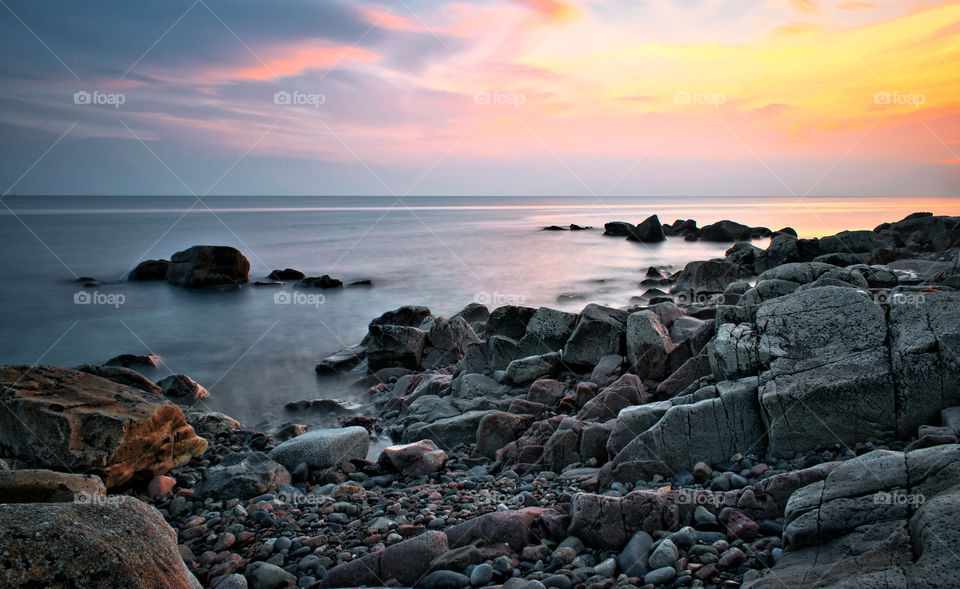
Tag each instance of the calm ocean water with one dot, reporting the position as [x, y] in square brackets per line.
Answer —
[255, 355]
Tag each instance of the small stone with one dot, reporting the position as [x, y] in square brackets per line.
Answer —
[660, 576]
[702, 472]
[732, 558]
[607, 568]
[481, 575]
[664, 555]
[702, 516]
[557, 582]
[444, 580]
[263, 575]
[160, 486]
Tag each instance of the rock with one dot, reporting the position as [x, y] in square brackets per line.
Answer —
[704, 517]
[117, 543]
[233, 581]
[547, 391]
[242, 475]
[344, 360]
[783, 248]
[204, 266]
[210, 423]
[705, 277]
[648, 345]
[648, 231]
[626, 391]
[444, 580]
[854, 242]
[498, 429]
[325, 282]
[395, 346]
[409, 316]
[547, 331]
[446, 342]
[450, 432]
[182, 390]
[509, 321]
[124, 376]
[607, 370]
[263, 575]
[47, 486]
[529, 369]
[619, 228]
[600, 331]
[405, 561]
[457, 559]
[287, 274]
[739, 526]
[511, 527]
[481, 575]
[883, 517]
[150, 270]
[416, 459]
[660, 576]
[725, 231]
[664, 555]
[743, 254]
[63, 419]
[323, 449]
[633, 557]
[689, 372]
[161, 486]
[134, 361]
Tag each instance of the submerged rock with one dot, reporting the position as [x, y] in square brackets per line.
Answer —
[204, 266]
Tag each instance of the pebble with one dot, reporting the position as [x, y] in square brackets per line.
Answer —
[702, 516]
[664, 555]
[660, 576]
[482, 574]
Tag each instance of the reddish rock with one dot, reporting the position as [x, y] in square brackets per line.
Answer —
[742, 527]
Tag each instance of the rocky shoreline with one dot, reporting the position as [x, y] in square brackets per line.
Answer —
[786, 416]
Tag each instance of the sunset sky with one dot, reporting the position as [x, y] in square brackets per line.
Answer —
[501, 97]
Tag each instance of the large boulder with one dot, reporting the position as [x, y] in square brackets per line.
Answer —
[854, 242]
[149, 270]
[395, 346]
[450, 432]
[242, 475]
[323, 449]
[600, 331]
[547, 331]
[182, 390]
[498, 429]
[705, 277]
[618, 228]
[63, 419]
[626, 391]
[343, 360]
[526, 370]
[120, 542]
[884, 519]
[446, 341]
[509, 321]
[124, 376]
[711, 430]
[725, 230]
[648, 345]
[203, 266]
[648, 231]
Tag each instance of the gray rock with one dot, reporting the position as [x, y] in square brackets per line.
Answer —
[395, 345]
[600, 331]
[725, 230]
[704, 278]
[854, 242]
[416, 459]
[547, 331]
[124, 376]
[648, 231]
[529, 369]
[263, 575]
[481, 575]
[242, 475]
[664, 555]
[343, 360]
[648, 345]
[448, 433]
[626, 391]
[323, 449]
[406, 561]
[660, 576]
[509, 321]
[444, 580]
[607, 370]
[633, 557]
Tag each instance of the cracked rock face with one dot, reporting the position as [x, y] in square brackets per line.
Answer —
[819, 365]
[884, 519]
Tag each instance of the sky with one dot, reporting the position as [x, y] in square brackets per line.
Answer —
[496, 97]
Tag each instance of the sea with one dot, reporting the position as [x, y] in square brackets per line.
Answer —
[255, 347]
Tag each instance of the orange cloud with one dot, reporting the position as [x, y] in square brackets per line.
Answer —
[558, 10]
[806, 6]
[290, 61]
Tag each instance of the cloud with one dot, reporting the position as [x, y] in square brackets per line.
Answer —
[806, 6]
[856, 5]
[556, 10]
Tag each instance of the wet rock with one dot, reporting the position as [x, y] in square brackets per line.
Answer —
[124, 376]
[135, 361]
[600, 331]
[323, 449]
[648, 231]
[324, 282]
[204, 266]
[395, 346]
[47, 486]
[150, 270]
[242, 475]
[416, 459]
[182, 390]
[287, 274]
[343, 360]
